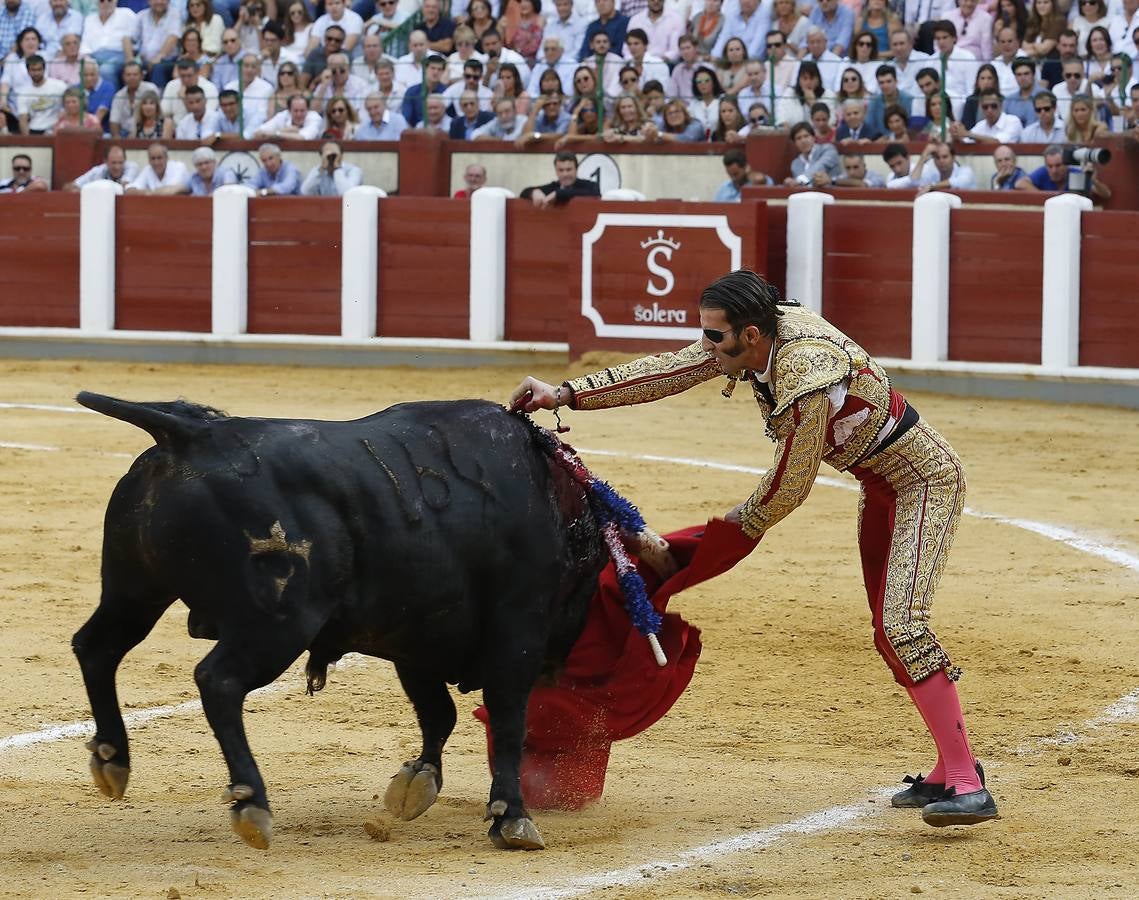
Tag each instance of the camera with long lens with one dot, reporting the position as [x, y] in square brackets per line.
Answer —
[1085, 156]
[1080, 181]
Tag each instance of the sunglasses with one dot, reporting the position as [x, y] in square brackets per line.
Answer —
[715, 335]
[333, 39]
[1071, 75]
[21, 168]
[774, 46]
[287, 71]
[865, 44]
[628, 81]
[990, 106]
[1041, 109]
[338, 70]
[757, 121]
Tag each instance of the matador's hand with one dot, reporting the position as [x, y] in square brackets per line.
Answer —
[533, 394]
[733, 514]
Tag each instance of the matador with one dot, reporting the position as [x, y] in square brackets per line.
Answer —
[825, 399]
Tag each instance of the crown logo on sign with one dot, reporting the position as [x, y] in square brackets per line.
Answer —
[660, 241]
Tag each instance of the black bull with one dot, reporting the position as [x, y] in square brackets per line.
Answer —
[437, 535]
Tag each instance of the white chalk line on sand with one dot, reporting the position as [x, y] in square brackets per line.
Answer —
[1123, 709]
[138, 717]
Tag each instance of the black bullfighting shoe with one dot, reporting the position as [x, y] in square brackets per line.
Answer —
[921, 793]
[961, 809]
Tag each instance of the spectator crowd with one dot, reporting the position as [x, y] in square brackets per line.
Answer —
[830, 74]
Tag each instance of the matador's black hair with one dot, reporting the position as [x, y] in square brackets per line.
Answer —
[746, 299]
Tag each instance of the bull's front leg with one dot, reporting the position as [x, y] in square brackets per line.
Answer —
[416, 785]
[506, 692]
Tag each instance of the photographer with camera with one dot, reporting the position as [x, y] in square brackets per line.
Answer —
[333, 177]
[1072, 169]
[251, 19]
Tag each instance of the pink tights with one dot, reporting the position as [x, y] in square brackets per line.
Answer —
[937, 701]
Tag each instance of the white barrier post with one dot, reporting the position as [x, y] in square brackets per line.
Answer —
[360, 261]
[97, 255]
[488, 264]
[230, 283]
[805, 248]
[1060, 331]
[929, 295]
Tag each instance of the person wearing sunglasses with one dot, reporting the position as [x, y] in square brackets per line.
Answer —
[388, 18]
[1074, 81]
[995, 125]
[316, 61]
[22, 178]
[825, 399]
[338, 81]
[1046, 129]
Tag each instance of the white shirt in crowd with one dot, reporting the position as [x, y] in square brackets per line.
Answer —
[172, 105]
[961, 178]
[1006, 130]
[175, 174]
[99, 173]
[98, 35]
[350, 22]
[310, 131]
[42, 104]
[255, 102]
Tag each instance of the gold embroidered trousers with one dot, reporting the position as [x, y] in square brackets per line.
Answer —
[913, 493]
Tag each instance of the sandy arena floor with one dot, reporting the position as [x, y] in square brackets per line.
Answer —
[791, 729]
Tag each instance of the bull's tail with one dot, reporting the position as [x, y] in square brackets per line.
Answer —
[171, 424]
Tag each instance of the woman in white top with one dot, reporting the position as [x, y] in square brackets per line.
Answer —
[704, 107]
[16, 77]
[298, 24]
[1091, 14]
[200, 15]
[807, 92]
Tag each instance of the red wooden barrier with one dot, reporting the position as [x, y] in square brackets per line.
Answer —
[538, 260]
[294, 265]
[995, 277]
[163, 252]
[1109, 303]
[424, 268]
[867, 275]
[776, 256]
[39, 260]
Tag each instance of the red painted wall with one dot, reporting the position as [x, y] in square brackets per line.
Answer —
[538, 259]
[1109, 301]
[867, 275]
[163, 249]
[425, 261]
[39, 260]
[294, 265]
[995, 277]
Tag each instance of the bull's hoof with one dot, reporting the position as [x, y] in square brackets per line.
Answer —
[253, 824]
[516, 834]
[411, 793]
[110, 778]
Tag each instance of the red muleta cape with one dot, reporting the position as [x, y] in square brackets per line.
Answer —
[611, 687]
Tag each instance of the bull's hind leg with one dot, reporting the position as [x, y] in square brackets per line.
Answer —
[509, 675]
[415, 786]
[117, 625]
[225, 676]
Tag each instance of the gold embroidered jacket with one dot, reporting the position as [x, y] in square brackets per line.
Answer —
[827, 401]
